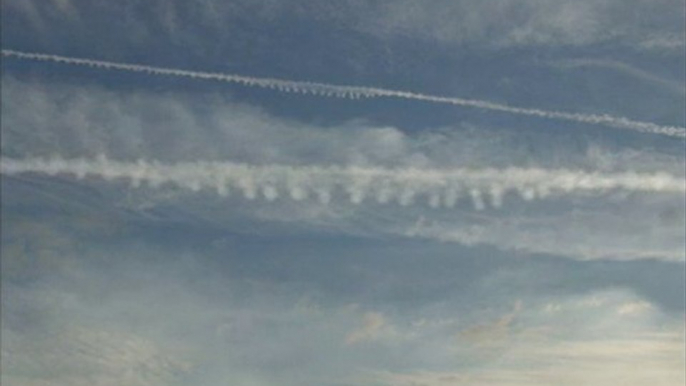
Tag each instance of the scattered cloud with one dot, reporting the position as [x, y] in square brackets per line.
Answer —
[547, 349]
[158, 230]
[372, 325]
[492, 333]
[634, 308]
[169, 128]
[501, 24]
[79, 356]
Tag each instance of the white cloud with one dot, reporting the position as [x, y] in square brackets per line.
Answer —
[629, 232]
[95, 310]
[330, 90]
[442, 187]
[129, 126]
[106, 284]
[643, 24]
[575, 345]
[529, 23]
[634, 308]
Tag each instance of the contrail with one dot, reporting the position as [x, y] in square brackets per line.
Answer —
[439, 187]
[339, 91]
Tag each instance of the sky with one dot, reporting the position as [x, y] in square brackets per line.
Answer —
[339, 193]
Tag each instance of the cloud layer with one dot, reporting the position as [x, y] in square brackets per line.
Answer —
[352, 176]
[208, 203]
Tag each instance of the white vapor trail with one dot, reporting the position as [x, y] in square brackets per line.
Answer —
[329, 90]
[439, 187]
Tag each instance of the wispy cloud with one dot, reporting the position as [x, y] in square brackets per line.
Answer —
[504, 24]
[673, 86]
[355, 92]
[586, 199]
[147, 311]
[529, 23]
[585, 234]
[373, 325]
[169, 221]
[441, 187]
[544, 348]
[81, 356]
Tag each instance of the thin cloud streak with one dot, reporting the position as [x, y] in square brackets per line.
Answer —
[356, 92]
[442, 187]
[673, 86]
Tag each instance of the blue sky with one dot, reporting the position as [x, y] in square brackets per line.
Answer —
[170, 230]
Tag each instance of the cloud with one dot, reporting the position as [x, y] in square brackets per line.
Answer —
[639, 23]
[492, 333]
[213, 145]
[634, 308]
[545, 348]
[79, 356]
[671, 85]
[526, 23]
[122, 265]
[355, 92]
[442, 187]
[372, 325]
[145, 306]
[582, 233]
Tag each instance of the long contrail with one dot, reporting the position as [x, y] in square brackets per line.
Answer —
[338, 91]
[439, 187]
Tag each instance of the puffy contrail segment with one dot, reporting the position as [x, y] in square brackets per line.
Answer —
[354, 92]
[437, 187]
